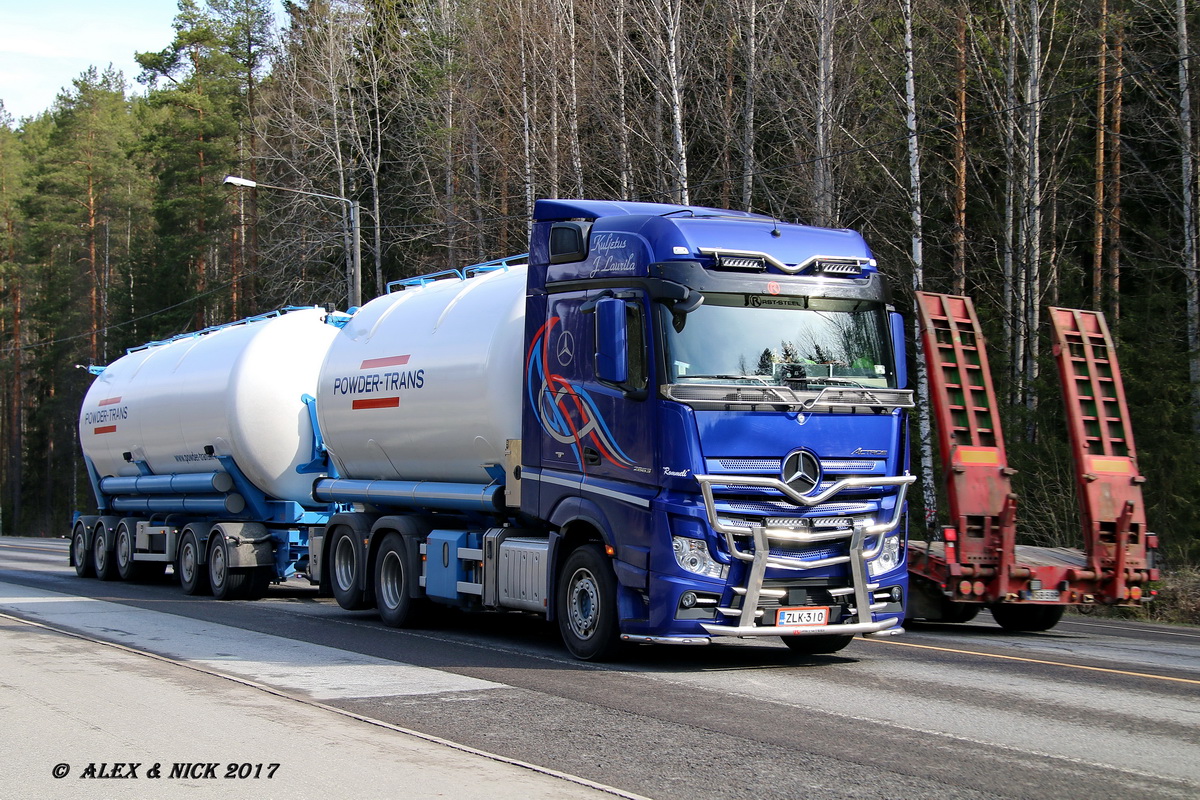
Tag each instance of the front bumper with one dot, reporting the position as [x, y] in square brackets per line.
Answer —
[753, 546]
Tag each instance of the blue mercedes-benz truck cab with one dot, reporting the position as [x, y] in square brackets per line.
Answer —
[717, 400]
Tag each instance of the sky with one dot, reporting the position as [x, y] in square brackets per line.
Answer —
[45, 44]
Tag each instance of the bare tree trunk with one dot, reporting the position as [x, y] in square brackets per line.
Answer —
[823, 166]
[1098, 221]
[960, 150]
[749, 100]
[552, 151]
[661, 24]
[576, 149]
[1114, 194]
[924, 423]
[448, 99]
[1033, 201]
[93, 268]
[673, 14]
[1012, 303]
[727, 106]
[334, 73]
[16, 425]
[624, 148]
[526, 115]
[1188, 210]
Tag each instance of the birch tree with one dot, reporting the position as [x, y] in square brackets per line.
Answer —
[661, 25]
[916, 214]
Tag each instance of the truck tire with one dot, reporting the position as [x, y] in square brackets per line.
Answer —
[586, 605]
[226, 583]
[392, 582]
[127, 568]
[193, 578]
[816, 645]
[959, 612]
[260, 580]
[346, 562]
[80, 553]
[1026, 619]
[104, 561]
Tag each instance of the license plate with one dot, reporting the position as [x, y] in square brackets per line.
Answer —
[811, 617]
[1050, 595]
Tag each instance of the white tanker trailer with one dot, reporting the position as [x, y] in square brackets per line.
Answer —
[203, 434]
[573, 433]
[424, 384]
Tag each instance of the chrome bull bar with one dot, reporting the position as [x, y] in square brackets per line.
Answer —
[761, 559]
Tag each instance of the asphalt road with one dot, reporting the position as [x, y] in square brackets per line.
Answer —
[1093, 709]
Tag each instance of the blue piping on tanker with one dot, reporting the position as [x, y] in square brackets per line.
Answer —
[174, 504]
[412, 494]
[192, 483]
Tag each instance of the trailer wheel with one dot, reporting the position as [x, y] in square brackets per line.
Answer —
[80, 554]
[1026, 619]
[959, 612]
[127, 568]
[192, 577]
[103, 558]
[226, 583]
[587, 605]
[391, 582]
[260, 581]
[816, 645]
[345, 570]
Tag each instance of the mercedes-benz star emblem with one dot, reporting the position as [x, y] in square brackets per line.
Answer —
[566, 348]
[802, 471]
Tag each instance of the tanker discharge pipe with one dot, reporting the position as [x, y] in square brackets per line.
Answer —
[412, 494]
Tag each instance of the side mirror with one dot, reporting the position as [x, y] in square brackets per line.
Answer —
[612, 341]
[898, 354]
[690, 303]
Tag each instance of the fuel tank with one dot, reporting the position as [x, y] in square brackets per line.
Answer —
[236, 389]
[424, 384]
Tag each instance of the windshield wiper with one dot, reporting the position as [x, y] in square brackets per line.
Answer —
[720, 377]
[842, 381]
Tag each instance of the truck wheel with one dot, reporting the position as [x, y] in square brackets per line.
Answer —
[260, 581]
[816, 645]
[103, 560]
[1026, 619]
[226, 583]
[391, 582]
[127, 568]
[80, 554]
[345, 570]
[959, 612]
[192, 577]
[587, 605]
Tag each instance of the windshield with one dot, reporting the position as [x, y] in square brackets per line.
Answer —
[799, 342]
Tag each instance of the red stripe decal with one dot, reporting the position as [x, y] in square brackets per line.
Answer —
[390, 361]
[111, 401]
[105, 429]
[376, 402]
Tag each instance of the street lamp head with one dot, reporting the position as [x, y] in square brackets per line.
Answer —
[236, 181]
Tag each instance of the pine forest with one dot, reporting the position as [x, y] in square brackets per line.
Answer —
[1027, 153]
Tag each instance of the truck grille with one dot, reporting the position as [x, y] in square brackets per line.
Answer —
[812, 553]
[775, 508]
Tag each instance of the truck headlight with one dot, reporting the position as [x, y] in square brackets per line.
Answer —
[888, 558]
[693, 556]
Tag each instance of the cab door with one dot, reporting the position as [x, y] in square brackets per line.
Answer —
[615, 437]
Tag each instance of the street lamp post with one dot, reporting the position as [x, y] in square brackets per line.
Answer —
[354, 279]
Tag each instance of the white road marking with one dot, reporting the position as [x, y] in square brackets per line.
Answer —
[323, 673]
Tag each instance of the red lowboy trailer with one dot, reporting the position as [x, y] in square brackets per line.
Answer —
[975, 561]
